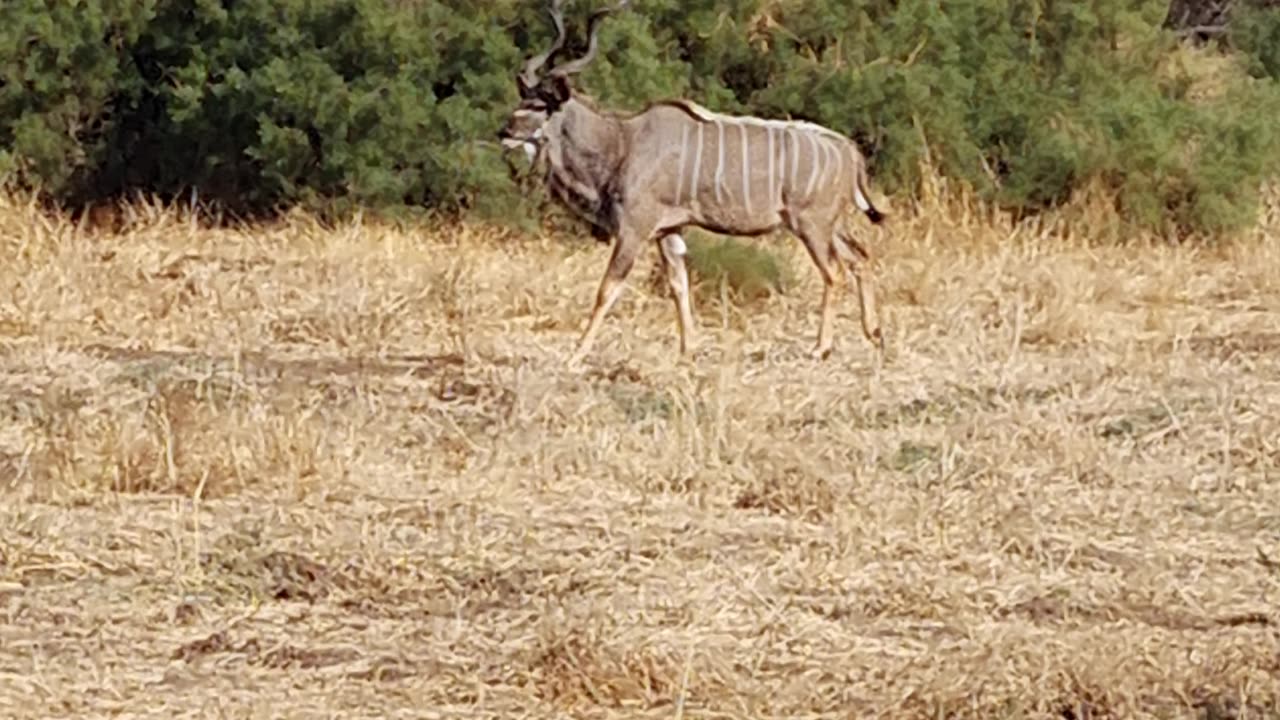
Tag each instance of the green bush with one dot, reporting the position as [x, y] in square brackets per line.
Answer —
[63, 75]
[261, 104]
[1255, 30]
[258, 104]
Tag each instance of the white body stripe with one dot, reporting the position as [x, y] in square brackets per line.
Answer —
[795, 156]
[746, 167]
[771, 197]
[782, 164]
[696, 178]
[823, 161]
[828, 160]
[684, 146]
[840, 163]
[813, 171]
[720, 160]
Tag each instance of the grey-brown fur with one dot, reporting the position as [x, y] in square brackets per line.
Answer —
[645, 177]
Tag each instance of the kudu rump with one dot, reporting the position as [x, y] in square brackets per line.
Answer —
[645, 177]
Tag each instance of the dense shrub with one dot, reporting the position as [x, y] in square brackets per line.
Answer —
[259, 102]
[394, 103]
[62, 75]
[1256, 31]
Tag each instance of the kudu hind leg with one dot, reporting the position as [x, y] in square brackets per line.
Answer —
[673, 251]
[621, 261]
[820, 244]
[857, 257]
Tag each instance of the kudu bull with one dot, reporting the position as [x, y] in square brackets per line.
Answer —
[645, 177]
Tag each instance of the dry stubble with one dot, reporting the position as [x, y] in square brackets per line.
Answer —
[290, 470]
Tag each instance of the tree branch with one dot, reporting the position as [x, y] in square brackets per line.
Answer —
[1203, 30]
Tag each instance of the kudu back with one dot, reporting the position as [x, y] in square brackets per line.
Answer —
[645, 177]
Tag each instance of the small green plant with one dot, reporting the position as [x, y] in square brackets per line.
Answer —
[750, 272]
[911, 457]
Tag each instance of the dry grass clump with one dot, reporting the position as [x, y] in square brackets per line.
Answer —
[300, 470]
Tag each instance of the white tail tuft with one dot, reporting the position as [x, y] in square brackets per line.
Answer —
[863, 204]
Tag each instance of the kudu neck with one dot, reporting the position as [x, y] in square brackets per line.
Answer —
[585, 150]
[587, 131]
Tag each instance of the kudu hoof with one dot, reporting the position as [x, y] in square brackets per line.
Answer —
[877, 341]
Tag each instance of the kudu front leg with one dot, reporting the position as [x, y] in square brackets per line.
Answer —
[625, 249]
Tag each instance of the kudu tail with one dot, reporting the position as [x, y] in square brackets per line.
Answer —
[860, 196]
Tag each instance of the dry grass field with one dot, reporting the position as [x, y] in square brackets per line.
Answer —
[305, 472]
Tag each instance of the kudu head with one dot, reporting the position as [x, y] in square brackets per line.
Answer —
[542, 97]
